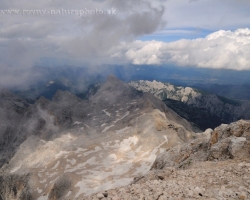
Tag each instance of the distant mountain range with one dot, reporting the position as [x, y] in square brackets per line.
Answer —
[45, 81]
[204, 110]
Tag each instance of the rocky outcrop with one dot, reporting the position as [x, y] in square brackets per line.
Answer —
[226, 142]
[15, 187]
[12, 134]
[230, 141]
[166, 90]
[60, 188]
[215, 167]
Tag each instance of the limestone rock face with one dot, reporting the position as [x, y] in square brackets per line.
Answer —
[166, 90]
[15, 187]
[226, 142]
[219, 150]
[237, 129]
[239, 147]
[230, 141]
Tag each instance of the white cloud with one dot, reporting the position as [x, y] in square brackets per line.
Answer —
[221, 49]
[148, 53]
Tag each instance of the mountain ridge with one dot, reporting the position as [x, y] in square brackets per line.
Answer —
[115, 139]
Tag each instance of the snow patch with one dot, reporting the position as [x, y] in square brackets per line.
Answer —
[15, 169]
[122, 130]
[126, 144]
[56, 165]
[72, 162]
[43, 197]
[39, 190]
[77, 123]
[103, 124]
[107, 113]
[126, 114]
[61, 153]
[79, 150]
[107, 128]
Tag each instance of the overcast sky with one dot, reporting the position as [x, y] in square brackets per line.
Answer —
[197, 33]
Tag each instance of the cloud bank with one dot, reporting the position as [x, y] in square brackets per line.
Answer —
[221, 49]
[29, 39]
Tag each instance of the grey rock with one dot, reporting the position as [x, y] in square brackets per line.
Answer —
[238, 147]
[100, 196]
[60, 188]
[15, 187]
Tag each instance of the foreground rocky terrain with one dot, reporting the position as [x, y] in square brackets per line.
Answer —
[203, 110]
[69, 148]
[213, 166]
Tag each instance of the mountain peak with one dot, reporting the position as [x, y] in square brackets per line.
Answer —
[64, 96]
[112, 89]
[6, 93]
[42, 102]
[113, 83]
[113, 78]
